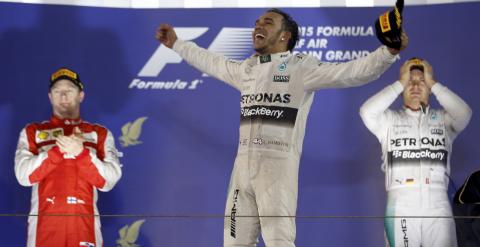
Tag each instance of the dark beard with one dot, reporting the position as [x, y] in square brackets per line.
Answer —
[260, 51]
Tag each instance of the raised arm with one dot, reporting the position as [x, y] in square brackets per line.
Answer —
[373, 111]
[458, 112]
[213, 64]
[353, 73]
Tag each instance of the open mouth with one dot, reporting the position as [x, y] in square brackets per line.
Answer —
[259, 36]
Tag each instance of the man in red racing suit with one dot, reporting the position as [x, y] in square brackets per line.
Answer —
[65, 160]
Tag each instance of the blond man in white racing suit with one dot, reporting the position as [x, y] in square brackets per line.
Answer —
[417, 145]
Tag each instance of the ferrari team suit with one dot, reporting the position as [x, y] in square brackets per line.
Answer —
[417, 147]
[63, 184]
[276, 94]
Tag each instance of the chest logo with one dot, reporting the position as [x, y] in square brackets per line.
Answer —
[57, 133]
[436, 131]
[43, 135]
[281, 78]
[47, 135]
[282, 67]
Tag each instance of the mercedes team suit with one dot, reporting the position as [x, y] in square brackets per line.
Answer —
[276, 94]
[417, 146]
[63, 184]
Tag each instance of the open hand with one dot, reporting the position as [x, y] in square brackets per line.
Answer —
[428, 72]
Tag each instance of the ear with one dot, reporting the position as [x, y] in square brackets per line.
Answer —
[286, 36]
[82, 96]
[50, 96]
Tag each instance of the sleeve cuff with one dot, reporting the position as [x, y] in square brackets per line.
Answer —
[437, 88]
[389, 56]
[178, 44]
[55, 155]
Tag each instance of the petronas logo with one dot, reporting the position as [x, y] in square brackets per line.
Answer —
[131, 132]
[129, 234]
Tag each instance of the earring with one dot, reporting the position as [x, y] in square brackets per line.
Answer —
[283, 38]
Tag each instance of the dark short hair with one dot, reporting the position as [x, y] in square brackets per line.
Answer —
[290, 25]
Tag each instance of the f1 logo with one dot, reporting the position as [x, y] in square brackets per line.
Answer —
[163, 55]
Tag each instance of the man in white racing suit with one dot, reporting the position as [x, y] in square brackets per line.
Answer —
[417, 144]
[277, 89]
